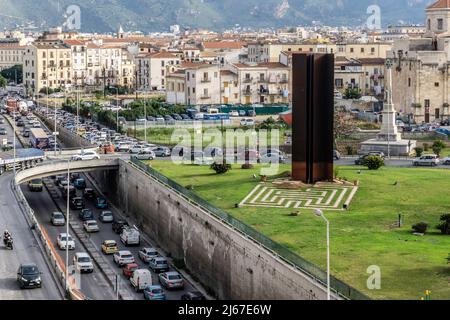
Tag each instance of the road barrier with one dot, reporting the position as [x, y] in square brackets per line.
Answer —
[313, 271]
[56, 261]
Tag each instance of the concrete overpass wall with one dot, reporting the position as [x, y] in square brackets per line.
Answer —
[228, 264]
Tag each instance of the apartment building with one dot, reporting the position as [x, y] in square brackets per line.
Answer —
[79, 61]
[363, 50]
[11, 54]
[202, 84]
[227, 52]
[47, 64]
[160, 64]
[230, 88]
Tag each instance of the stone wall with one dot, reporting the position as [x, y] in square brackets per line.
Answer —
[228, 264]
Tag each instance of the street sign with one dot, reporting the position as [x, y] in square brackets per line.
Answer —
[56, 133]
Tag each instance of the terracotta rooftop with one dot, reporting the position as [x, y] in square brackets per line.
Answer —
[270, 65]
[223, 44]
[441, 4]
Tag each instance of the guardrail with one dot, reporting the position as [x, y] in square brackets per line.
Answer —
[316, 273]
[57, 263]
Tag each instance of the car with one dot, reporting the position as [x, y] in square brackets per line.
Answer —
[77, 203]
[154, 293]
[58, 219]
[118, 226]
[89, 193]
[336, 155]
[138, 148]
[193, 295]
[109, 247]
[83, 262]
[426, 160]
[88, 155]
[106, 216]
[91, 226]
[123, 147]
[65, 241]
[101, 203]
[3, 132]
[86, 215]
[145, 155]
[272, 158]
[36, 185]
[130, 236]
[122, 258]
[446, 161]
[171, 280]
[129, 269]
[158, 264]
[162, 152]
[80, 184]
[29, 276]
[145, 254]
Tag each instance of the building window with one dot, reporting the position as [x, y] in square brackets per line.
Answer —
[409, 82]
[362, 50]
[429, 24]
[352, 50]
[436, 84]
[440, 23]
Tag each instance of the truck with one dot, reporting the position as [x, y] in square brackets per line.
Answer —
[39, 139]
[24, 158]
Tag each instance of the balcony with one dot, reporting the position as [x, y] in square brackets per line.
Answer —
[205, 96]
[248, 80]
[205, 80]
[284, 80]
[247, 93]
[262, 80]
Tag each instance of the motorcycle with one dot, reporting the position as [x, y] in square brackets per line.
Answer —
[8, 242]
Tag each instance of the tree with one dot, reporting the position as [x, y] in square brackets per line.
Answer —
[419, 151]
[13, 74]
[444, 226]
[3, 82]
[437, 147]
[352, 93]
[373, 162]
[420, 227]
[344, 125]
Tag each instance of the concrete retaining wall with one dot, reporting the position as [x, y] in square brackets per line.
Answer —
[229, 265]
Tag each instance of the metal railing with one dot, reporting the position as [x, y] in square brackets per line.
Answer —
[313, 271]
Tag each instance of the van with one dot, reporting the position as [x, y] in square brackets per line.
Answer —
[130, 236]
[141, 279]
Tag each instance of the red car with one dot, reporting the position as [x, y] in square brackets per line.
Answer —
[129, 269]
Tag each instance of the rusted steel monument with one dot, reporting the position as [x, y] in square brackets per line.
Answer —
[313, 117]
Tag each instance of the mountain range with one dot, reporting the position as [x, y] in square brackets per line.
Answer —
[158, 15]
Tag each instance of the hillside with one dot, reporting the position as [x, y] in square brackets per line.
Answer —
[158, 15]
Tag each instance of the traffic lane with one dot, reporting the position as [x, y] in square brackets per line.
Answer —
[10, 134]
[93, 285]
[26, 250]
[106, 233]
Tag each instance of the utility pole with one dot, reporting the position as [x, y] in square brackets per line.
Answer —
[67, 225]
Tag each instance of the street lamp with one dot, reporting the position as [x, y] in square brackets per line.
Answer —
[319, 213]
[67, 224]
[117, 106]
[14, 143]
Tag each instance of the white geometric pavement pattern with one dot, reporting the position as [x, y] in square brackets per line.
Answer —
[318, 197]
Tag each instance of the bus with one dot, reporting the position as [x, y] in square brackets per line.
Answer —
[39, 139]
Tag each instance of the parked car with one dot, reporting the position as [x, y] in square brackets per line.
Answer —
[336, 155]
[29, 276]
[154, 293]
[146, 155]
[123, 258]
[247, 122]
[109, 247]
[88, 155]
[162, 152]
[141, 279]
[118, 226]
[193, 295]
[145, 254]
[58, 219]
[86, 215]
[101, 203]
[91, 226]
[106, 216]
[446, 161]
[63, 240]
[171, 280]
[129, 269]
[158, 264]
[427, 160]
[272, 158]
[83, 262]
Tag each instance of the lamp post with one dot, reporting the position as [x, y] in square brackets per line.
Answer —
[117, 107]
[67, 224]
[319, 213]
[14, 143]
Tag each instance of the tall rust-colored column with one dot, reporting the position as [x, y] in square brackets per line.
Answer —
[312, 117]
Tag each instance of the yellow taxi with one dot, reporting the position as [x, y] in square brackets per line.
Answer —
[109, 247]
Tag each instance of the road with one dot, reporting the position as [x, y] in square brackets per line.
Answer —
[26, 248]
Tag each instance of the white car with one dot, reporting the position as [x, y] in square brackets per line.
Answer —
[88, 155]
[83, 263]
[427, 160]
[123, 258]
[58, 219]
[64, 240]
[446, 161]
[130, 236]
[139, 148]
[247, 122]
[91, 226]
[146, 155]
[145, 254]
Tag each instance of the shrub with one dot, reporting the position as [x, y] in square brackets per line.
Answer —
[350, 150]
[247, 166]
[419, 151]
[426, 147]
[221, 168]
[373, 162]
[444, 226]
[420, 227]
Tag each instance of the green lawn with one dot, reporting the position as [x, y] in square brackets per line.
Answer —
[362, 236]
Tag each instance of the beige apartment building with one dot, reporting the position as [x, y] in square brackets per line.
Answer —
[11, 55]
[152, 69]
[363, 50]
[421, 69]
[47, 64]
